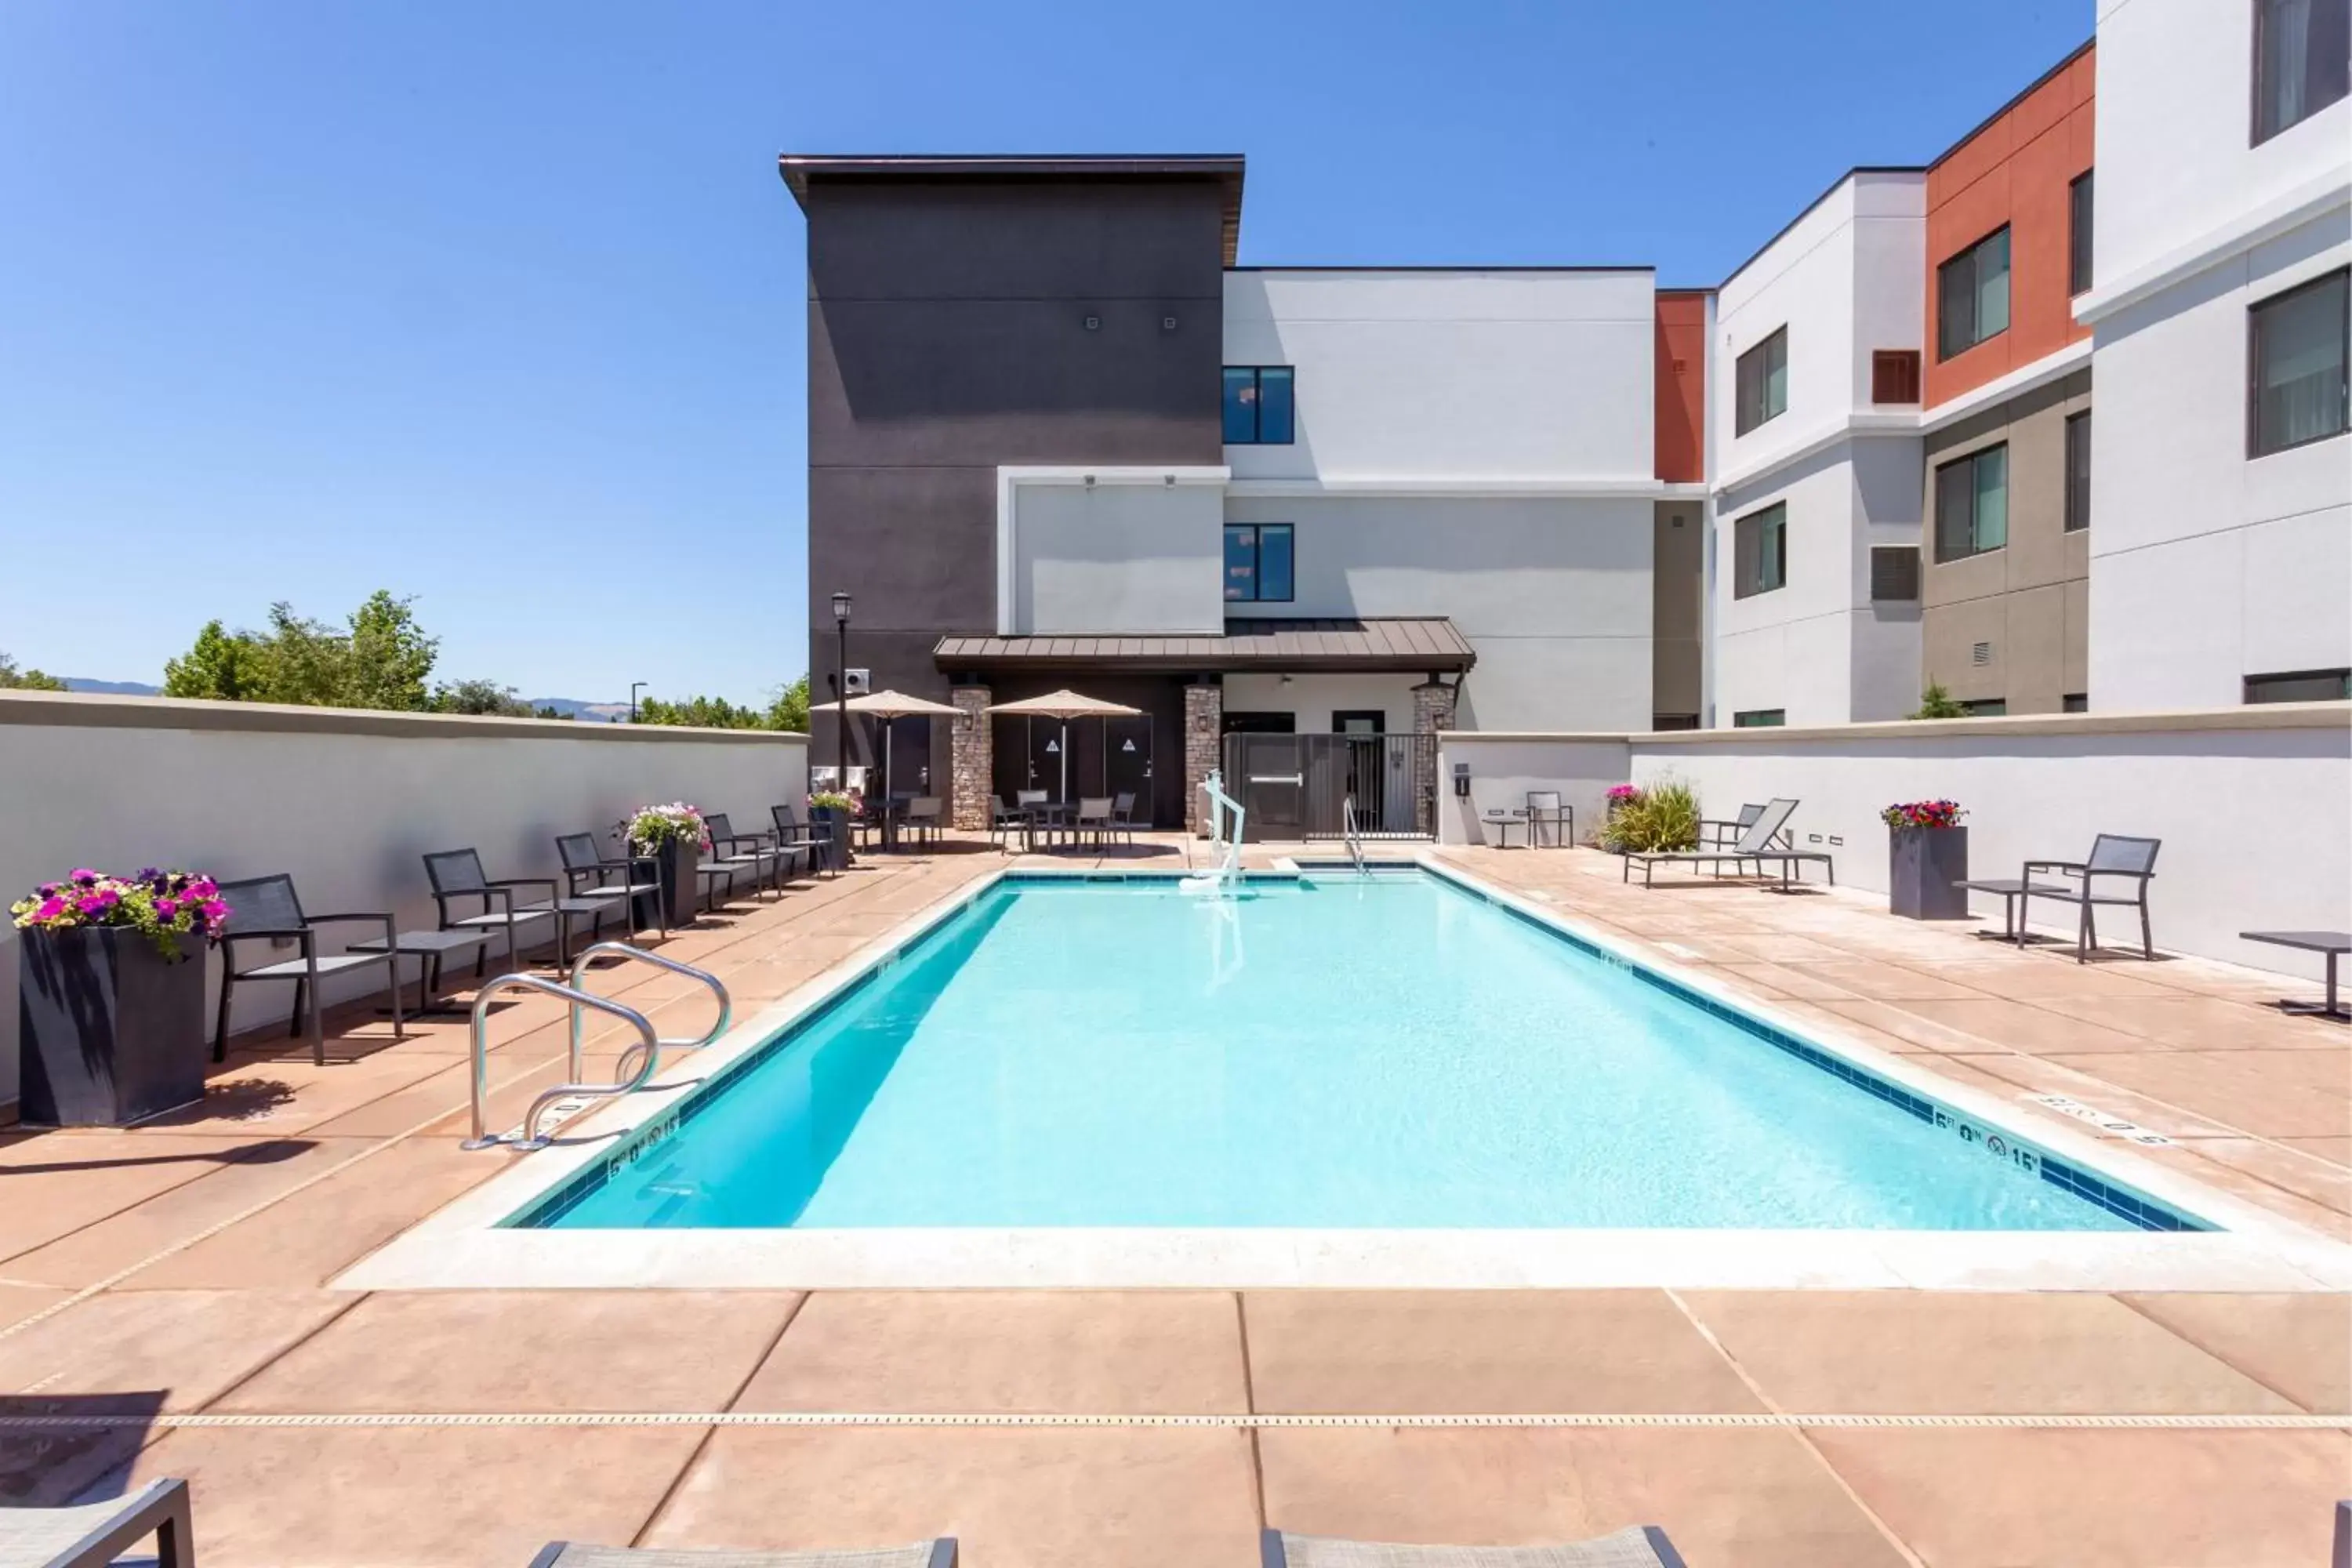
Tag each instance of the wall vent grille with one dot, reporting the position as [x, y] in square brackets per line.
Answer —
[1981, 654]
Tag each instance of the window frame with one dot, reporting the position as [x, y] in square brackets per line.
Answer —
[1935, 511]
[2342, 279]
[1761, 718]
[2081, 202]
[1740, 423]
[1258, 436]
[2256, 135]
[1967, 253]
[1257, 531]
[2075, 515]
[1746, 583]
[2250, 682]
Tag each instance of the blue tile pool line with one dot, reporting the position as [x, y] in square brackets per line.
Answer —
[2139, 1209]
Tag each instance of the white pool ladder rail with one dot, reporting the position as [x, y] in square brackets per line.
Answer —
[1223, 878]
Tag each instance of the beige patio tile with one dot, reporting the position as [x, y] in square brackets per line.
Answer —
[2336, 1150]
[2042, 1075]
[1894, 1028]
[1475, 1352]
[58, 1183]
[1973, 1353]
[2255, 1092]
[278, 1098]
[268, 1168]
[187, 1345]
[2204, 1023]
[450, 1496]
[2049, 972]
[18, 1303]
[996, 1351]
[2233, 1179]
[2300, 1344]
[2058, 1498]
[1799, 980]
[1878, 980]
[2281, 1166]
[2025, 1026]
[314, 1234]
[1013, 1497]
[1780, 949]
[472, 1352]
[1754, 1498]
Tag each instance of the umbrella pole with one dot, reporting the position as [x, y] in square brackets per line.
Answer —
[1065, 762]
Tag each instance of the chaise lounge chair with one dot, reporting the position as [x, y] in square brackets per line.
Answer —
[939, 1554]
[92, 1535]
[1636, 1546]
[1759, 844]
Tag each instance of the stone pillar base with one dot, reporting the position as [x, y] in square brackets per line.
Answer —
[1204, 711]
[972, 759]
[1433, 711]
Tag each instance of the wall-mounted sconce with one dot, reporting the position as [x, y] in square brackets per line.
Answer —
[1167, 323]
[1462, 780]
[1090, 482]
[1094, 323]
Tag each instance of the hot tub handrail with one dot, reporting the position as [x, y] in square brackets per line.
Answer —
[624, 950]
[648, 1042]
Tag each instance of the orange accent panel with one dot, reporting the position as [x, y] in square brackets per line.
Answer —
[1680, 414]
[2017, 171]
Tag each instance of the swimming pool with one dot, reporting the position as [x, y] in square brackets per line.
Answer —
[1389, 1053]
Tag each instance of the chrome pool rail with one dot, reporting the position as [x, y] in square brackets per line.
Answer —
[1355, 840]
[638, 1064]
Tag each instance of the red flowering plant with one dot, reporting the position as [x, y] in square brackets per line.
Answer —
[165, 905]
[1922, 814]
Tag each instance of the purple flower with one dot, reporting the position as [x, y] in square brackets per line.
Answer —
[202, 888]
[91, 903]
[46, 889]
[83, 878]
[51, 908]
[147, 874]
[167, 907]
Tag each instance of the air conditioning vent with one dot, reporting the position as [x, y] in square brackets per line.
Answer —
[1895, 572]
[1895, 375]
[1981, 654]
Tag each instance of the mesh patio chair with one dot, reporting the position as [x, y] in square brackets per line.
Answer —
[1004, 822]
[588, 874]
[793, 834]
[752, 852]
[926, 816]
[1637, 1546]
[1714, 832]
[457, 878]
[266, 909]
[1546, 809]
[1122, 815]
[2115, 858]
[92, 1535]
[1093, 820]
[939, 1554]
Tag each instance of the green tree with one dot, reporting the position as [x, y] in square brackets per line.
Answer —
[222, 667]
[790, 710]
[700, 714]
[549, 711]
[14, 679]
[487, 696]
[1937, 703]
[301, 661]
[380, 658]
[389, 655]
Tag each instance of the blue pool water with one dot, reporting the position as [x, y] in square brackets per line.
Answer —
[1394, 1052]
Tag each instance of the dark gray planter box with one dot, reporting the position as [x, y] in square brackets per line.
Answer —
[109, 1030]
[835, 823]
[1926, 867]
[675, 865]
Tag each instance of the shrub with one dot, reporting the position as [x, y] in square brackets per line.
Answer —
[1663, 816]
[1937, 703]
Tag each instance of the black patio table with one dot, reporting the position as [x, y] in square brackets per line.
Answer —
[2333, 944]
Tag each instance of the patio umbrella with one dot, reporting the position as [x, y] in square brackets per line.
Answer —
[889, 705]
[1067, 705]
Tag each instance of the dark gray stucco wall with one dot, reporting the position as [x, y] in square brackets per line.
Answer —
[947, 336]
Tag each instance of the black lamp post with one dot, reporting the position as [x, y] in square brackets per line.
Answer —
[635, 687]
[841, 690]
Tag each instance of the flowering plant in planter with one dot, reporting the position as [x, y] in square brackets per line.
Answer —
[834, 800]
[1922, 814]
[654, 826]
[164, 905]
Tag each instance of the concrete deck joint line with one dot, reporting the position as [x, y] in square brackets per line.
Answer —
[2249, 1421]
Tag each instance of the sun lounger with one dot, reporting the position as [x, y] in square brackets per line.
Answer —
[1758, 844]
[90, 1535]
[1637, 1546]
[939, 1554]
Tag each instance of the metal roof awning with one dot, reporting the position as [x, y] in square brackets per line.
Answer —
[1427, 645]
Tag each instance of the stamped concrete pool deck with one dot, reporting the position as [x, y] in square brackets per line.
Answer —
[166, 1290]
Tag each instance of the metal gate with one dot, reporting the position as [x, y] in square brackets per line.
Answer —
[1297, 786]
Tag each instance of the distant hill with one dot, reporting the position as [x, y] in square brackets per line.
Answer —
[571, 707]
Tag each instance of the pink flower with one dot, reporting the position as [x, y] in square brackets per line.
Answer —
[51, 908]
[168, 908]
[82, 877]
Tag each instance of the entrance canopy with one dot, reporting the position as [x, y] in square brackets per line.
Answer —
[1423, 645]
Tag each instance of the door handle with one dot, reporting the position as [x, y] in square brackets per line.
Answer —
[1278, 778]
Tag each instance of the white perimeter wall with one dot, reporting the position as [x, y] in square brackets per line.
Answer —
[1486, 375]
[2254, 806]
[346, 802]
[1131, 552]
[1553, 593]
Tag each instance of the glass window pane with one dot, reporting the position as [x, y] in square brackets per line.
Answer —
[1952, 510]
[1776, 374]
[1955, 306]
[1240, 404]
[2299, 369]
[1992, 499]
[1992, 287]
[1750, 407]
[2302, 61]
[2078, 236]
[1274, 563]
[1240, 563]
[1273, 404]
[2078, 472]
[1773, 551]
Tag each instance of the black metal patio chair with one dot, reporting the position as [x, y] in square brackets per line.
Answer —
[1006, 822]
[1546, 809]
[265, 909]
[823, 848]
[2114, 857]
[752, 852]
[485, 905]
[589, 873]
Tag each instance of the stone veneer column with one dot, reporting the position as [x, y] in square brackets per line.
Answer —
[1433, 711]
[1204, 711]
[972, 759]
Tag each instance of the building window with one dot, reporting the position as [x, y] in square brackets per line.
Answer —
[2301, 686]
[2297, 346]
[2078, 471]
[2078, 234]
[1674, 722]
[1763, 383]
[1259, 404]
[1972, 504]
[1759, 543]
[1258, 563]
[1986, 708]
[1894, 572]
[1972, 295]
[2303, 60]
[2074, 702]
[1895, 375]
[1759, 719]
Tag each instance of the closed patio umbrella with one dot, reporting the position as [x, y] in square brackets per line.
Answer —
[1067, 705]
[889, 705]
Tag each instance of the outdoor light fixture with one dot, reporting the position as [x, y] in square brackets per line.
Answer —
[1461, 779]
[636, 686]
[841, 690]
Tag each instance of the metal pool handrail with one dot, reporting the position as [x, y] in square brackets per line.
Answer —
[1347, 830]
[649, 1043]
[622, 950]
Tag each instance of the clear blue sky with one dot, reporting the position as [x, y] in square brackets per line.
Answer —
[501, 305]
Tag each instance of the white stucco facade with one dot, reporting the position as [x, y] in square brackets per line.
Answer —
[1109, 549]
[2208, 565]
[1841, 281]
